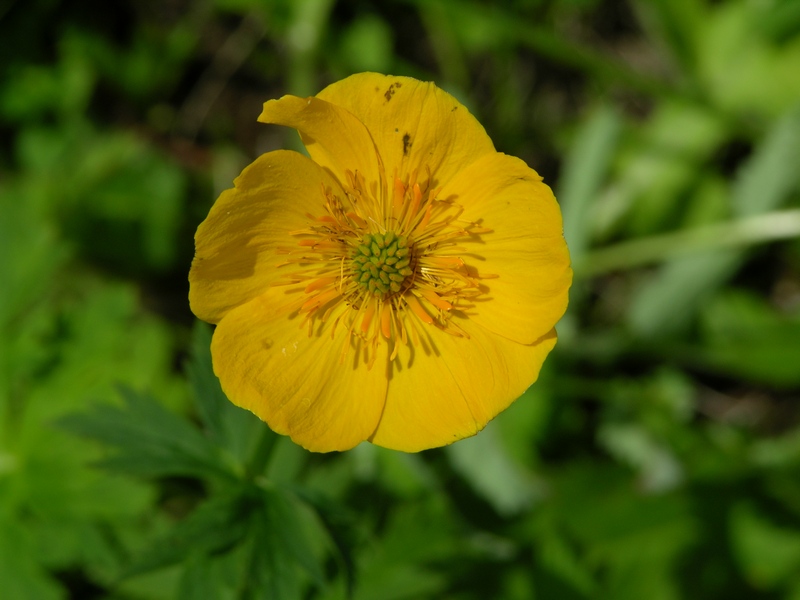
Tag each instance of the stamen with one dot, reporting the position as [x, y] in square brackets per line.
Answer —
[416, 307]
[319, 283]
[385, 258]
[368, 317]
[435, 299]
[386, 320]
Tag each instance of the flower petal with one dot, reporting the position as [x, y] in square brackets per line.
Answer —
[235, 257]
[334, 138]
[267, 363]
[452, 389]
[525, 248]
[414, 124]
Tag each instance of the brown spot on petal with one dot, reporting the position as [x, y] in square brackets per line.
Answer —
[406, 144]
[391, 89]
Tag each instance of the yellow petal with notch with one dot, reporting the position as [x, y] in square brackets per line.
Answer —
[415, 125]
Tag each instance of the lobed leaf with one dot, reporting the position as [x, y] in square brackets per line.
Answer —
[151, 440]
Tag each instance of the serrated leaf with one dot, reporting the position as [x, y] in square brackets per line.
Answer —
[208, 395]
[284, 519]
[278, 549]
[214, 527]
[268, 571]
[151, 441]
[228, 425]
[340, 525]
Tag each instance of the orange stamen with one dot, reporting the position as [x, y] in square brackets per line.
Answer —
[319, 283]
[435, 299]
[368, 317]
[358, 220]
[416, 307]
[399, 194]
[386, 320]
[445, 262]
[426, 219]
[411, 213]
[417, 193]
[319, 300]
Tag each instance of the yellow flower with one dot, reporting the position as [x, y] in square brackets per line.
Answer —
[400, 286]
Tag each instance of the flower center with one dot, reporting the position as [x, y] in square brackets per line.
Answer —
[382, 263]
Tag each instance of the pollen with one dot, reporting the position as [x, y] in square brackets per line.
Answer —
[382, 264]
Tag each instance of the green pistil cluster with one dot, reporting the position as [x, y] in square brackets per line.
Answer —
[382, 263]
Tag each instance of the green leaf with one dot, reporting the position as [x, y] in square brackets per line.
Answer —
[216, 526]
[283, 516]
[151, 440]
[269, 572]
[677, 24]
[208, 395]
[767, 179]
[229, 426]
[399, 581]
[586, 165]
[21, 577]
[341, 525]
[634, 445]
[200, 580]
[745, 337]
[486, 466]
[561, 573]
[656, 167]
[417, 535]
[31, 254]
[672, 297]
[599, 507]
[769, 554]
[366, 45]
[733, 40]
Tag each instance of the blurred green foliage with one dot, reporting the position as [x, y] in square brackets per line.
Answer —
[658, 457]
